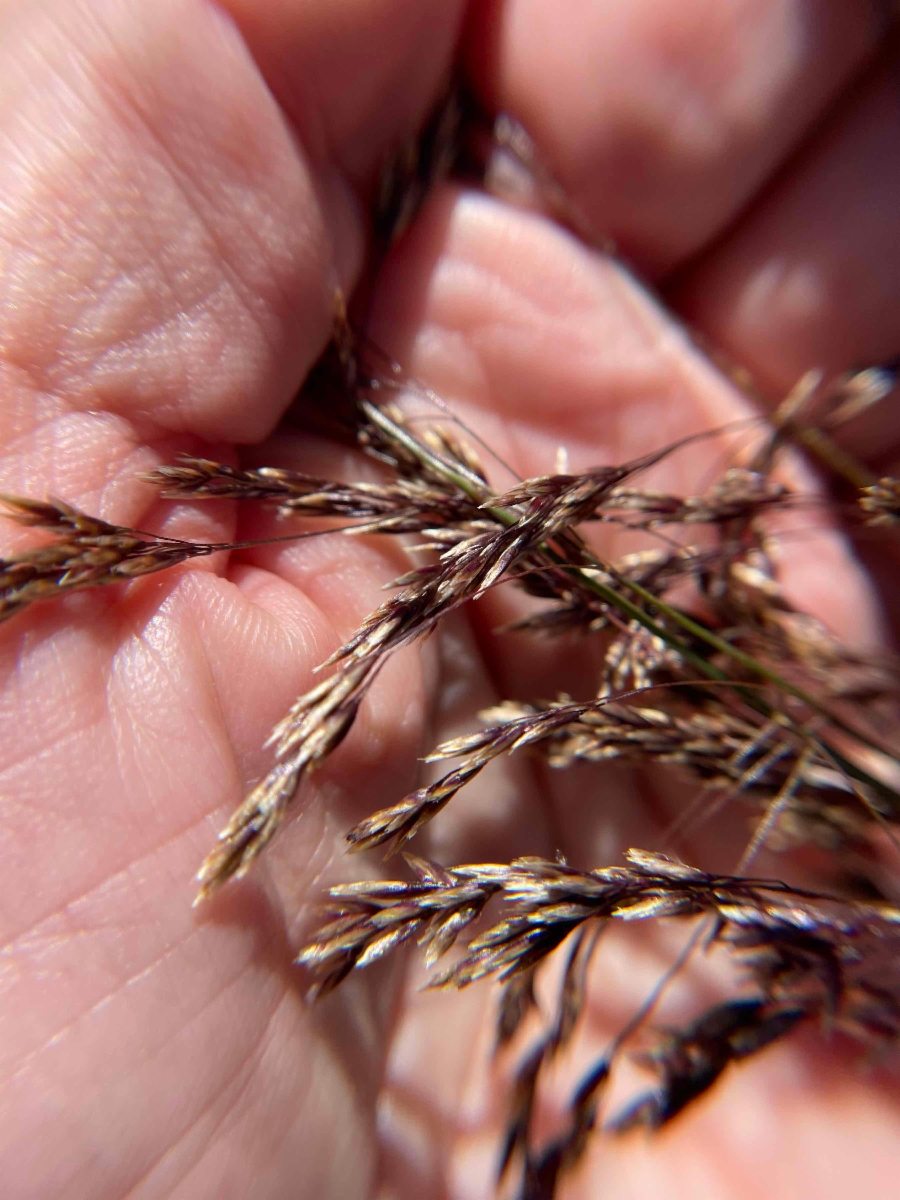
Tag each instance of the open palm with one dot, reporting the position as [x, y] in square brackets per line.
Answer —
[181, 194]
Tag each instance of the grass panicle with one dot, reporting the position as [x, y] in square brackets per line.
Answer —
[753, 700]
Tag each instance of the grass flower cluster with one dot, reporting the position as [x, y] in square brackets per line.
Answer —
[734, 690]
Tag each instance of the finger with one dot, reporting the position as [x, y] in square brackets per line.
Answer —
[355, 76]
[122, 734]
[169, 246]
[537, 342]
[811, 276]
[662, 120]
[764, 1135]
[534, 342]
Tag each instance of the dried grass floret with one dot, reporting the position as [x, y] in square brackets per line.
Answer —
[740, 494]
[373, 918]
[881, 501]
[405, 506]
[546, 900]
[722, 750]
[87, 553]
[804, 956]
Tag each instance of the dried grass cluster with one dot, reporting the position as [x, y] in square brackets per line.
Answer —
[751, 700]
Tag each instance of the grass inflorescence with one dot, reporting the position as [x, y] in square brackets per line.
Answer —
[737, 691]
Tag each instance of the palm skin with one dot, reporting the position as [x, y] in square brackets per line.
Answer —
[181, 193]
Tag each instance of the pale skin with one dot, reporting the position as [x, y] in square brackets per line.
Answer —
[180, 194]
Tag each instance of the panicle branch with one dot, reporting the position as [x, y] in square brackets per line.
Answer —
[804, 955]
[762, 735]
[734, 754]
[780, 931]
[87, 553]
[404, 506]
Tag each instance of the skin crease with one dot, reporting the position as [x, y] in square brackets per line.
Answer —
[182, 189]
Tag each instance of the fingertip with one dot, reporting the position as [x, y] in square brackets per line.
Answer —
[356, 76]
[662, 120]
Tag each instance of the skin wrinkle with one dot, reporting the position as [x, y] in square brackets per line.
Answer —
[132, 980]
[50, 661]
[215, 693]
[185, 942]
[236, 286]
[240, 1081]
[365, 732]
[115, 938]
[229, 1096]
[217, 999]
[125, 773]
[595, 284]
[318, 638]
[40, 461]
[22, 766]
[24, 372]
[177, 597]
[267, 625]
[231, 1114]
[204, 824]
[113, 442]
[798, 262]
[58, 135]
[129, 668]
[242, 290]
[24, 407]
[765, 70]
[64, 150]
[181, 174]
[291, 133]
[68, 1029]
[139, 766]
[116, 359]
[119, 482]
[45, 442]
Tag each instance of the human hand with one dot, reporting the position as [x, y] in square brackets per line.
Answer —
[181, 195]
